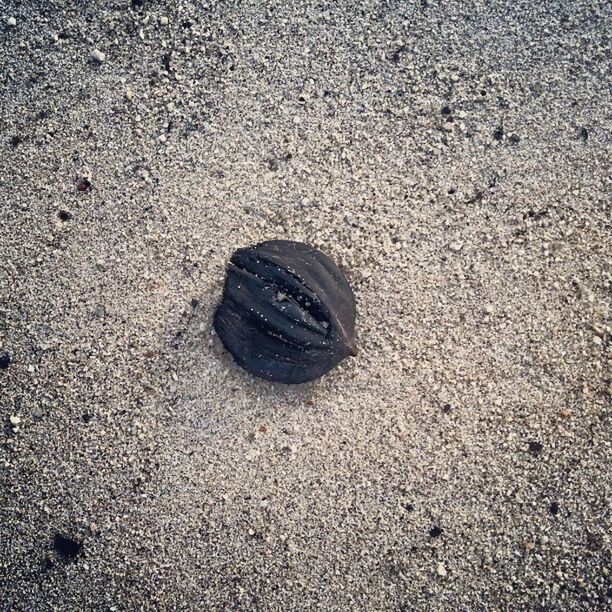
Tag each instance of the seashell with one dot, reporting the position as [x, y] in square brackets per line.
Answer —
[287, 313]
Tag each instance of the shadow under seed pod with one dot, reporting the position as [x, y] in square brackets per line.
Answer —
[287, 312]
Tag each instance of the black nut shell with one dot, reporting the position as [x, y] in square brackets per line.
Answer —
[287, 313]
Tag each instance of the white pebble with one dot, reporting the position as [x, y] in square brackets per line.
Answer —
[441, 569]
[15, 420]
[98, 55]
[163, 20]
[11, 22]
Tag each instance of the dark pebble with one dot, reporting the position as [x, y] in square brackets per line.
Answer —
[83, 184]
[554, 508]
[435, 532]
[535, 447]
[66, 547]
[5, 360]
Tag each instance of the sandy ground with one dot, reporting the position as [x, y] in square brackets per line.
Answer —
[453, 158]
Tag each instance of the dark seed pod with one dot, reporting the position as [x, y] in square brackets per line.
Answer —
[287, 312]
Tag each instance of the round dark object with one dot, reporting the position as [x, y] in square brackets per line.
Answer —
[67, 547]
[287, 312]
[5, 360]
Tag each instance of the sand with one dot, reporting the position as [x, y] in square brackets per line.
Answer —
[453, 158]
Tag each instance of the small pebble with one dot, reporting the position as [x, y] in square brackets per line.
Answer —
[5, 360]
[441, 570]
[11, 22]
[163, 20]
[536, 447]
[15, 420]
[98, 56]
[66, 546]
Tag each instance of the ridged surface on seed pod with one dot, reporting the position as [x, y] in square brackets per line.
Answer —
[287, 312]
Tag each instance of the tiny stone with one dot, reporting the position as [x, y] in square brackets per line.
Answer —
[98, 56]
[448, 126]
[11, 22]
[66, 547]
[455, 246]
[535, 447]
[83, 184]
[441, 570]
[5, 360]
[129, 94]
[15, 420]
[163, 20]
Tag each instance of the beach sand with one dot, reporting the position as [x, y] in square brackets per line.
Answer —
[453, 158]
